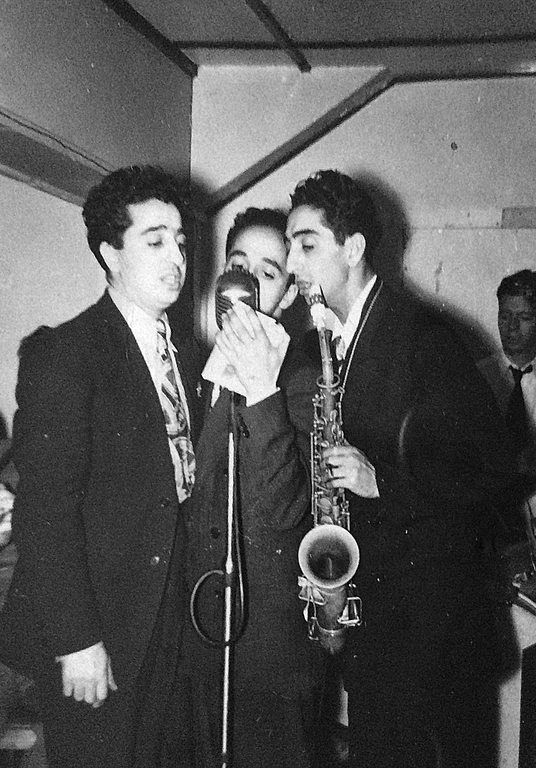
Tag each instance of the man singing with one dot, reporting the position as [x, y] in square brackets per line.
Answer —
[103, 442]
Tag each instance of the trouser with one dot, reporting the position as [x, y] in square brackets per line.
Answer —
[76, 734]
[122, 733]
[422, 675]
[266, 729]
[459, 730]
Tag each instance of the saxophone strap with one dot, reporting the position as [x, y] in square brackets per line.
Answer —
[367, 309]
[310, 593]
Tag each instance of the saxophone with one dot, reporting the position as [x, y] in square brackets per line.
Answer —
[328, 554]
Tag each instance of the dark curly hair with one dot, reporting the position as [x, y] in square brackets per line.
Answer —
[256, 217]
[105, 212]
[346, 208]
[521, 283]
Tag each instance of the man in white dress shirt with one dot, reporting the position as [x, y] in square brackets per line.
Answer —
[517, 331]
[511, 373]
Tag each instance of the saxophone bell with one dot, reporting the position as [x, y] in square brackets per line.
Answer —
[329, 556]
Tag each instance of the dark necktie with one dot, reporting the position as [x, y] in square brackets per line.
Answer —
[339, 347]
[516, 413]
[174, 412]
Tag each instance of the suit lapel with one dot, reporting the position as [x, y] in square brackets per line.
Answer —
[125, 357]
[126, 362]
[360, 365]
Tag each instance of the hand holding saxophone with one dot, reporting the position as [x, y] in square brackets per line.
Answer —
[255, 357]
[351, 469]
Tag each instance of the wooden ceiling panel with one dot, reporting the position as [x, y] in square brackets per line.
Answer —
[316, 33]
[348, 22]
[391, 21]
[204, 21]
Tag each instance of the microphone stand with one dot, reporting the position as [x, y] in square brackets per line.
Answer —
[232, 578]
[231, 569]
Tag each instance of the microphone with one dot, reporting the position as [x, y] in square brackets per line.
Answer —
[235, 285]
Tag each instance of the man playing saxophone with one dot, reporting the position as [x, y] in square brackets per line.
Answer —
[424, 451]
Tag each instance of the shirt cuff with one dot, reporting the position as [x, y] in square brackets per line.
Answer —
[261, 395]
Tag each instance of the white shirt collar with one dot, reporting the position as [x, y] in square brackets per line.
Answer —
[142, 325]
[347, 330]
[510, 363]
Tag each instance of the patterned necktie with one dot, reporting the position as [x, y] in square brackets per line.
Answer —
[516, 413]
[174, 412]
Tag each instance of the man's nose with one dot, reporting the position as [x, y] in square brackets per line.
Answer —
[176, 253]
[292, 261]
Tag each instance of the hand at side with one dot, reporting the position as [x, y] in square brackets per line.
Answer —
[87, 675]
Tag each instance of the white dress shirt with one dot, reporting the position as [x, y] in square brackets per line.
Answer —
[346, 332]
[143, 327]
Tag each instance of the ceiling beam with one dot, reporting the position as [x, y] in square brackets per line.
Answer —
[31, 154]
[449, 62]
[138, 22]
[465, 61]
[445, 61]
[290, 149]
[361, 45]
[284, 40]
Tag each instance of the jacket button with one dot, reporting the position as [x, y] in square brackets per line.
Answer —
[164, 502]
[154, 560]
[242, 426]
[215, 532]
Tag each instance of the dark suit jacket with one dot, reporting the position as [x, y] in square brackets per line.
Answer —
[273, 652]
[416, 405]
[96, 513]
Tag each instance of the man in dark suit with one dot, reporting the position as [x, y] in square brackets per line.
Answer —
[424, 453]
[276, 669]
[95, 609]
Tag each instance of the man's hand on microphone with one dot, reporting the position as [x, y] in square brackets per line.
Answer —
[255, 359]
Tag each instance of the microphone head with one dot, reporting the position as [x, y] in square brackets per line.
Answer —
[235, 285]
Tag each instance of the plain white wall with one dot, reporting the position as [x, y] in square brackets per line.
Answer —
[47, 272]
[445, 158]
[75, 70]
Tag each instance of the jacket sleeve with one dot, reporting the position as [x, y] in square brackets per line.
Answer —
[453, 447]
[52, 452]
[275, 440]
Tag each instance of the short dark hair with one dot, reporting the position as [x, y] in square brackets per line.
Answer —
[272, 218]
[105, 212]
[521, 283]
[346, 207]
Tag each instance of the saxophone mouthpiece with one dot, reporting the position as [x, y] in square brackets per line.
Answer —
[317, 306]
[315, 295]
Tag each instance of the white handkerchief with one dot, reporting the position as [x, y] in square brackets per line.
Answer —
[220, 371]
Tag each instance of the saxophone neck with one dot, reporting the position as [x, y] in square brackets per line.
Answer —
[317, 309]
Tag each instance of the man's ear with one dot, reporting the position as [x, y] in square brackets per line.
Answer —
[356, 244]
[109, 255]
[288, 298]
